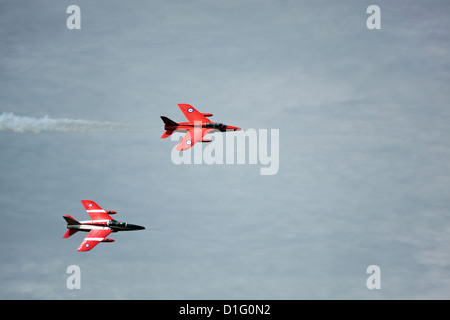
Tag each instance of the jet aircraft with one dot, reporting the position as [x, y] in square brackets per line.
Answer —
[99, 227]
[197, 127]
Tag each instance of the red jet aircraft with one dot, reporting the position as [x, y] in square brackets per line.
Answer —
[197, 127]
[99, 227]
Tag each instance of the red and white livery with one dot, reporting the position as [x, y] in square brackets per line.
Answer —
[99, 227]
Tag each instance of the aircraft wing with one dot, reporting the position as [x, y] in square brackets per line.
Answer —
[191, 137]
[192, 114]
[93, 238]
[95, 211]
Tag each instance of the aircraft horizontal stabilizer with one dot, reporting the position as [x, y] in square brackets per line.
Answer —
[69, 233]
[166, 134]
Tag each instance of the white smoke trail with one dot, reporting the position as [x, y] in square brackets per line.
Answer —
[9, 121]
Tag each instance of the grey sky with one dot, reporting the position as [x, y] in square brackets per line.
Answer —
[364, 149]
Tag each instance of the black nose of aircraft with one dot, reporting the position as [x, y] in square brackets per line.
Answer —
[134, 227]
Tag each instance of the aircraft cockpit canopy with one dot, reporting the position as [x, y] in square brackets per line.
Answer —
[216, 125]
[117, 224]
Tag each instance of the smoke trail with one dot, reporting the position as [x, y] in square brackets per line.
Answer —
[9, 121]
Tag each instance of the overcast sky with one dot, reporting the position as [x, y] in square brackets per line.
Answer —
[364, 149]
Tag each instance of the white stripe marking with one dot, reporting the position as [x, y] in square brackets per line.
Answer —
[94, 239]
[95, 221]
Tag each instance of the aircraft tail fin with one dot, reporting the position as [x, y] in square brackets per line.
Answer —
[169, 123]
[70, 222]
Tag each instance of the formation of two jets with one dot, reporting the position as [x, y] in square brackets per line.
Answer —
[101, 224]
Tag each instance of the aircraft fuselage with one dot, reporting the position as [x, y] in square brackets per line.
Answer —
[113, 225]
[185, 126]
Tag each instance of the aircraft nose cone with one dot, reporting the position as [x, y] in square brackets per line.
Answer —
[233, 128]
[135, 227]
